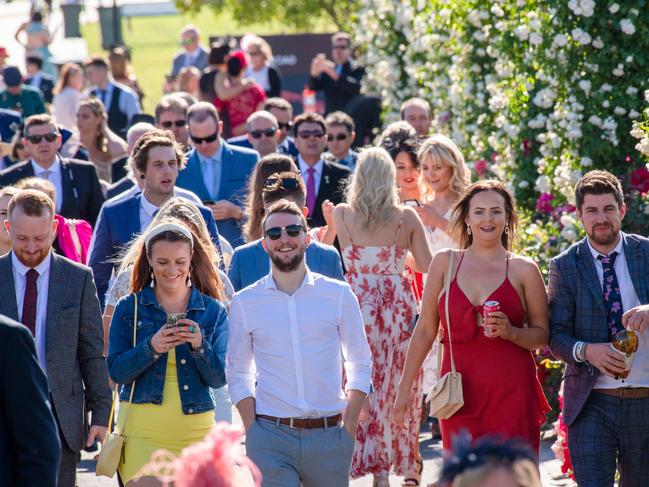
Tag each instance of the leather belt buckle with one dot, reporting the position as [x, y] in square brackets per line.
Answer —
[290, 423]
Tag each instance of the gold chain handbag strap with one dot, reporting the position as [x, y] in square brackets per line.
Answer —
[112, 408]
[447, 287]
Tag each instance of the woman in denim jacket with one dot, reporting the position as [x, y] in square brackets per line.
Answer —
[172, 366]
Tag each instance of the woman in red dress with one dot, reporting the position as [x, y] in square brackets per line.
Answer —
[502, 395]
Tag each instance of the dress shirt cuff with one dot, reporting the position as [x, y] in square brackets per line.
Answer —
[239, 390]
[358, 378]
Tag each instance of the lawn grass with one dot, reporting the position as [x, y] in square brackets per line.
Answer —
[154, 41]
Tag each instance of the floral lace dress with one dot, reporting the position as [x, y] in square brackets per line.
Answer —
[378, 278]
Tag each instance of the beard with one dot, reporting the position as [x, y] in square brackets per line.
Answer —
[606, 239]
[289, 266]
[32, 259]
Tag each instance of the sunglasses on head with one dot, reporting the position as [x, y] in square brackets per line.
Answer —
[258, 134]
[177, 123]
[331, 137]
[274, 183]
[306, 134]
[292, 231]
[36, 139]
[285, 126]
[209, 139]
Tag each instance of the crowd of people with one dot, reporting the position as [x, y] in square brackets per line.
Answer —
[222, 251]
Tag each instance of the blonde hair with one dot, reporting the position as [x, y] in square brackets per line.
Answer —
[440, 150]
[260, 44]
[372, 192]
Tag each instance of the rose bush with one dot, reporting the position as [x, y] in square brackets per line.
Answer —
[535, 93]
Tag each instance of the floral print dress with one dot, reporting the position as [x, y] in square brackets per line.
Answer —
[377, 277]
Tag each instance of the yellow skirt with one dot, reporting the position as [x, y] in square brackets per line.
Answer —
[151, 427]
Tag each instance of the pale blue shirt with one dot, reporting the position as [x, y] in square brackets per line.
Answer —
[42, 286]
[211, 168]
[53, 176]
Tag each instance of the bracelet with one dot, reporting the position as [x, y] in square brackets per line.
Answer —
[580, 351]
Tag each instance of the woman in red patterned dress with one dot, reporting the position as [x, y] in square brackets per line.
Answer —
[502, 395]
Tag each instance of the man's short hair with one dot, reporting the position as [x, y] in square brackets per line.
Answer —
[171, 103]
[155, 138]
[309, 117]
[97, 62]
[284, 206]
[260, 114]
[40, 119]
[414, 102]
[36, 60]
[32, 203]
[278, 104]
[202, 111]
[341, 119]
[38, 184]
[10, 191]
[277, 191]
[598, 182]
[190, 29]
[341, 36]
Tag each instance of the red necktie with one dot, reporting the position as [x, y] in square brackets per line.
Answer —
[29, 303]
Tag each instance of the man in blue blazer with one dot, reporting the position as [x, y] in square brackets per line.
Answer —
[193, 54]
[217, 172]
[157, 158]
[597, 288]
[250, 262]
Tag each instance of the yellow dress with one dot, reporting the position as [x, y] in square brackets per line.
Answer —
[151, 427]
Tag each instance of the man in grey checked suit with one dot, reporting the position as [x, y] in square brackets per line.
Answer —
[56, 299]
[607, 417]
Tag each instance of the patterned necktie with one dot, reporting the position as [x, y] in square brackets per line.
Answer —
[612, 295]
[29, 301]
[310, 190]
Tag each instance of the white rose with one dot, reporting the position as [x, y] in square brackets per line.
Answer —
[586, 161]
[585, 85]
[497, 10]
[643, 146]
[569, 234]
[566, 220]
[614, 8]
[560, 40]
[522, 32]
[524, 184]
[619, 111]
[637, 132]
[631, 91]
[606, 104]
[633, 114]
[536, 38]
[619, 72]
[542, 184]
[627, 27]
[598, 43]
[606, 88]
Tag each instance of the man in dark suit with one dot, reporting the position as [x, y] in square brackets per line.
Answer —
[30, 450]
[78, 192]
[56, 299]
[250, 262]
[38, 79]
[157, 158]
[325, 179]
[597, 288]
[340, 79]
[340, 136]
[263, 134]
[216, 171]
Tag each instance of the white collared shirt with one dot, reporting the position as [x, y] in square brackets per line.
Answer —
[297, 344]
[147, 212]
[317, 175]
[42, 285]
[639, 376]
[55, 177]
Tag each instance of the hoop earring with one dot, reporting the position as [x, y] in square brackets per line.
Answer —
[468, 229]
[152, 280]
[506, 229]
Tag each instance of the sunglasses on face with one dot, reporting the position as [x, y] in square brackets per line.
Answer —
[331, 137]
[274, 183]
[177, 123]
[36, 139]
[292, 231]
[187, 41]
[285, 126]
[254, 53]
[306, 134]
[209, 139]
[258, 134]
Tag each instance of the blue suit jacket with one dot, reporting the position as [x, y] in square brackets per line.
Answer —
[236, 166]
[117, 225]
[578, 312]
[179, 61]
[250, 263]
[287, 146]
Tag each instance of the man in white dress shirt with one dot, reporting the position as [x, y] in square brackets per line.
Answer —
[296, 329]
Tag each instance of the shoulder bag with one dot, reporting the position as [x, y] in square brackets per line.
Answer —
[446, 396]
[113, 445]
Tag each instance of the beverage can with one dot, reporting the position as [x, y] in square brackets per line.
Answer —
[489, 307]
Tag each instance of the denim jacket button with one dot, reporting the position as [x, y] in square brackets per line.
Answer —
[191, 411]
[186, 387]
[183, 361]
[156, 356]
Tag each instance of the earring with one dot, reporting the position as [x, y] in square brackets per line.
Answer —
[468, 229]
[506, 229]
[189, 278]
[152, 280]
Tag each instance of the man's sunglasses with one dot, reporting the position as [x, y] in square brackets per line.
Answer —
[285, 126]
[293, 231]
[177, 123]
[306, 134]
[258, 134]
[209, 139]
[36, 139]
[274, 183]
[331, 137]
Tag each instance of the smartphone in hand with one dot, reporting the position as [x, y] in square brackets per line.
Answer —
[172, 319]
